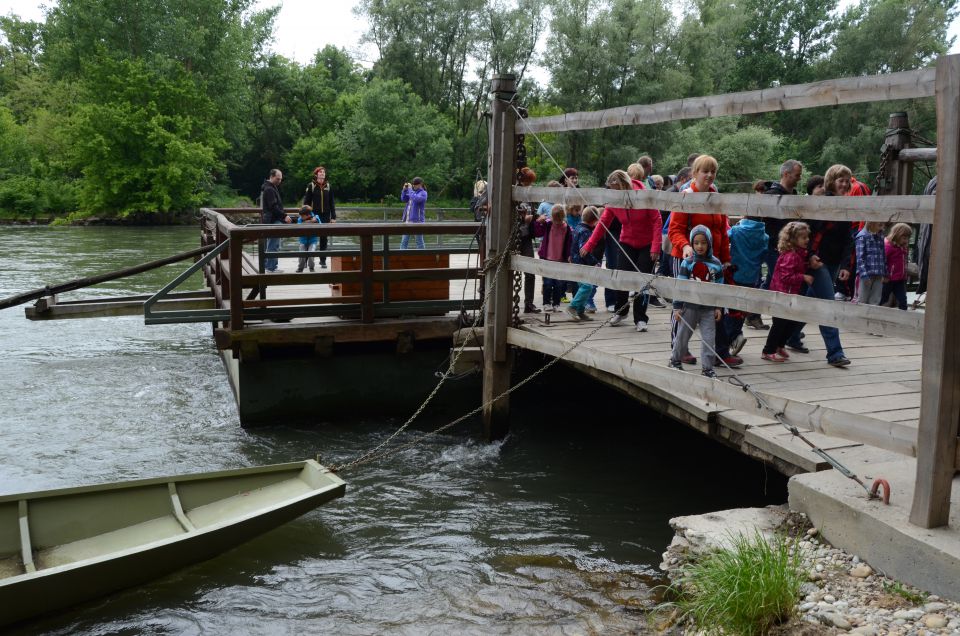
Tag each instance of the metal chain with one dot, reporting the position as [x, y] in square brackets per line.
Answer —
[880, 184]
[520, 162]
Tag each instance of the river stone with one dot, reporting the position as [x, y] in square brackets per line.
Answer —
[829, 598]
[812, 532]
[935, 607]
[908, 614]
[935, 621]
[865, 630]
[861, 571]
[835, 620]
[718, 529]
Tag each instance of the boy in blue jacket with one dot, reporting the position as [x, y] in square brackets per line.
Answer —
[748, 249]
[702, 266]
[581, 234]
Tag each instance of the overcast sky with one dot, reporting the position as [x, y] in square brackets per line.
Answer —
[297, 35]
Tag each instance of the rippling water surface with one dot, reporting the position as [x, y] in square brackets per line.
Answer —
[558, 529]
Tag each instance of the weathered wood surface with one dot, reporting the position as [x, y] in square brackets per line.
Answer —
[940, 408]
[868, 318]
[914, 155]
[887, 209]
[852, 90]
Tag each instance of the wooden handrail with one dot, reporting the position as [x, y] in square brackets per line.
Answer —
[866, 318]
[887, 209]
[851, 90]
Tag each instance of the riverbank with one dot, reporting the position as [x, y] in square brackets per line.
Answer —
[842, 594]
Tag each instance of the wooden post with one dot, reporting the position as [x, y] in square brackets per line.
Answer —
[899, 177]
[235, 291]
[497, 362]
[366, 283]
[940, 376]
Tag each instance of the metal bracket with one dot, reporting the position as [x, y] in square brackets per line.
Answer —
[151, 317]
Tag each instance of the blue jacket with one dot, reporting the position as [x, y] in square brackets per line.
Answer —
[416, 200]
[582, 234]
[748, 246]
[308, 240]
[706, 268]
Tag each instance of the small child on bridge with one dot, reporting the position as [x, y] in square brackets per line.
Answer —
[307, 243]
[702, 266]
[788, 277]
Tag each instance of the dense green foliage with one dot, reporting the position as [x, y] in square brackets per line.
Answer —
[746, 589]
[117, 107]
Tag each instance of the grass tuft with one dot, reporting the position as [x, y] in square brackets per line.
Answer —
[746, 589]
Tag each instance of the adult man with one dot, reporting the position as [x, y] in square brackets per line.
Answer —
[271, 211]
[646, 162]
[791, 171]
[319, 196]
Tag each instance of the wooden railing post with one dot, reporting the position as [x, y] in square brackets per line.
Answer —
[497, 365]
[366, 284]
[899, 174]
[235, 266]
[940, 374]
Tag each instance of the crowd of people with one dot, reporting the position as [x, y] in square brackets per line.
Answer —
[835, 260]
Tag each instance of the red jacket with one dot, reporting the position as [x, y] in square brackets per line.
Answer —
[896, 261]
[682, 222]
[641, 228]
[788, 274]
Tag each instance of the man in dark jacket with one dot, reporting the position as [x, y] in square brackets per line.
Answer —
[319, 196]
[271, 211]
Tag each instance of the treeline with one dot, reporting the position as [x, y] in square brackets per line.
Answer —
[119, 107]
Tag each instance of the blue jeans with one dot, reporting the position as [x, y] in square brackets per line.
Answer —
[271, 245]
[823, 288]
[405, 240]
[584, 293]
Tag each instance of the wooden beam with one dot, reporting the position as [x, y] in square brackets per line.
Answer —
[342, 331]
[112, 309]
[913, 155]
[888, 209]
[851, 90]
[891, 436]
[940, 376]
[855, 317]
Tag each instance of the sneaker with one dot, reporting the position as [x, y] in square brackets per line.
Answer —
[274, 271]
[839, 296]
[842, 361]
[323, 264]
[733, 361]
[641, 326]
[299, 269]
[772, 357]
[584, 316]
[591, 308]
[675, 365]
[737, 344]
[656, 302]
[708, 373]
[756, 322]
[573, 313]
[531, 309]
[556, 308]
[564, 299]
[616, 320]
[688, 359]
[783, 353]
[799, 348]
[611, 308]
[311, 269]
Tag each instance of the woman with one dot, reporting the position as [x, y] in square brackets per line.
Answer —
[319, 196]
[640, 240]
[831, 243]
[414, 195]
[703, 173]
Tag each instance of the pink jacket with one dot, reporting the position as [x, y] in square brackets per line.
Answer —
[896, 261]
[641, 228]
[788, 274]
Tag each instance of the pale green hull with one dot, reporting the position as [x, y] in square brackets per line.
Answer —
[62, 547]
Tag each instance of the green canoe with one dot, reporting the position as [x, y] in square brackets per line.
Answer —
[62, 547]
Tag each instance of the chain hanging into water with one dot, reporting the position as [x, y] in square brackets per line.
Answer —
[735, 379]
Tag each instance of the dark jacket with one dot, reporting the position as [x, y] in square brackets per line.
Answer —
[773, 226]
[832, 241]
[271, 204]
[321, 201]
[582, 234]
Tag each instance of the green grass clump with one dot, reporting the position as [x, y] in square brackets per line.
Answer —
[746, 589]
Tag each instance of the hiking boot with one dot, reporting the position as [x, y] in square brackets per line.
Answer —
[708, 373]
[756, 322]
[737, 344]
[842, 361]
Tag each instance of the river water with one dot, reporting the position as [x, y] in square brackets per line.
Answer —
[558, 529]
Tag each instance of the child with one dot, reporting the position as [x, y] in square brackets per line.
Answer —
[748, 250]
[703, 266]
[307, 243]
[789, 274]
[581, 234]
[895, 251]
[555, 246]
[871, 262]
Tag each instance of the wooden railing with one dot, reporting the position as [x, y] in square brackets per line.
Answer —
[936, 445]
[235, 270]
